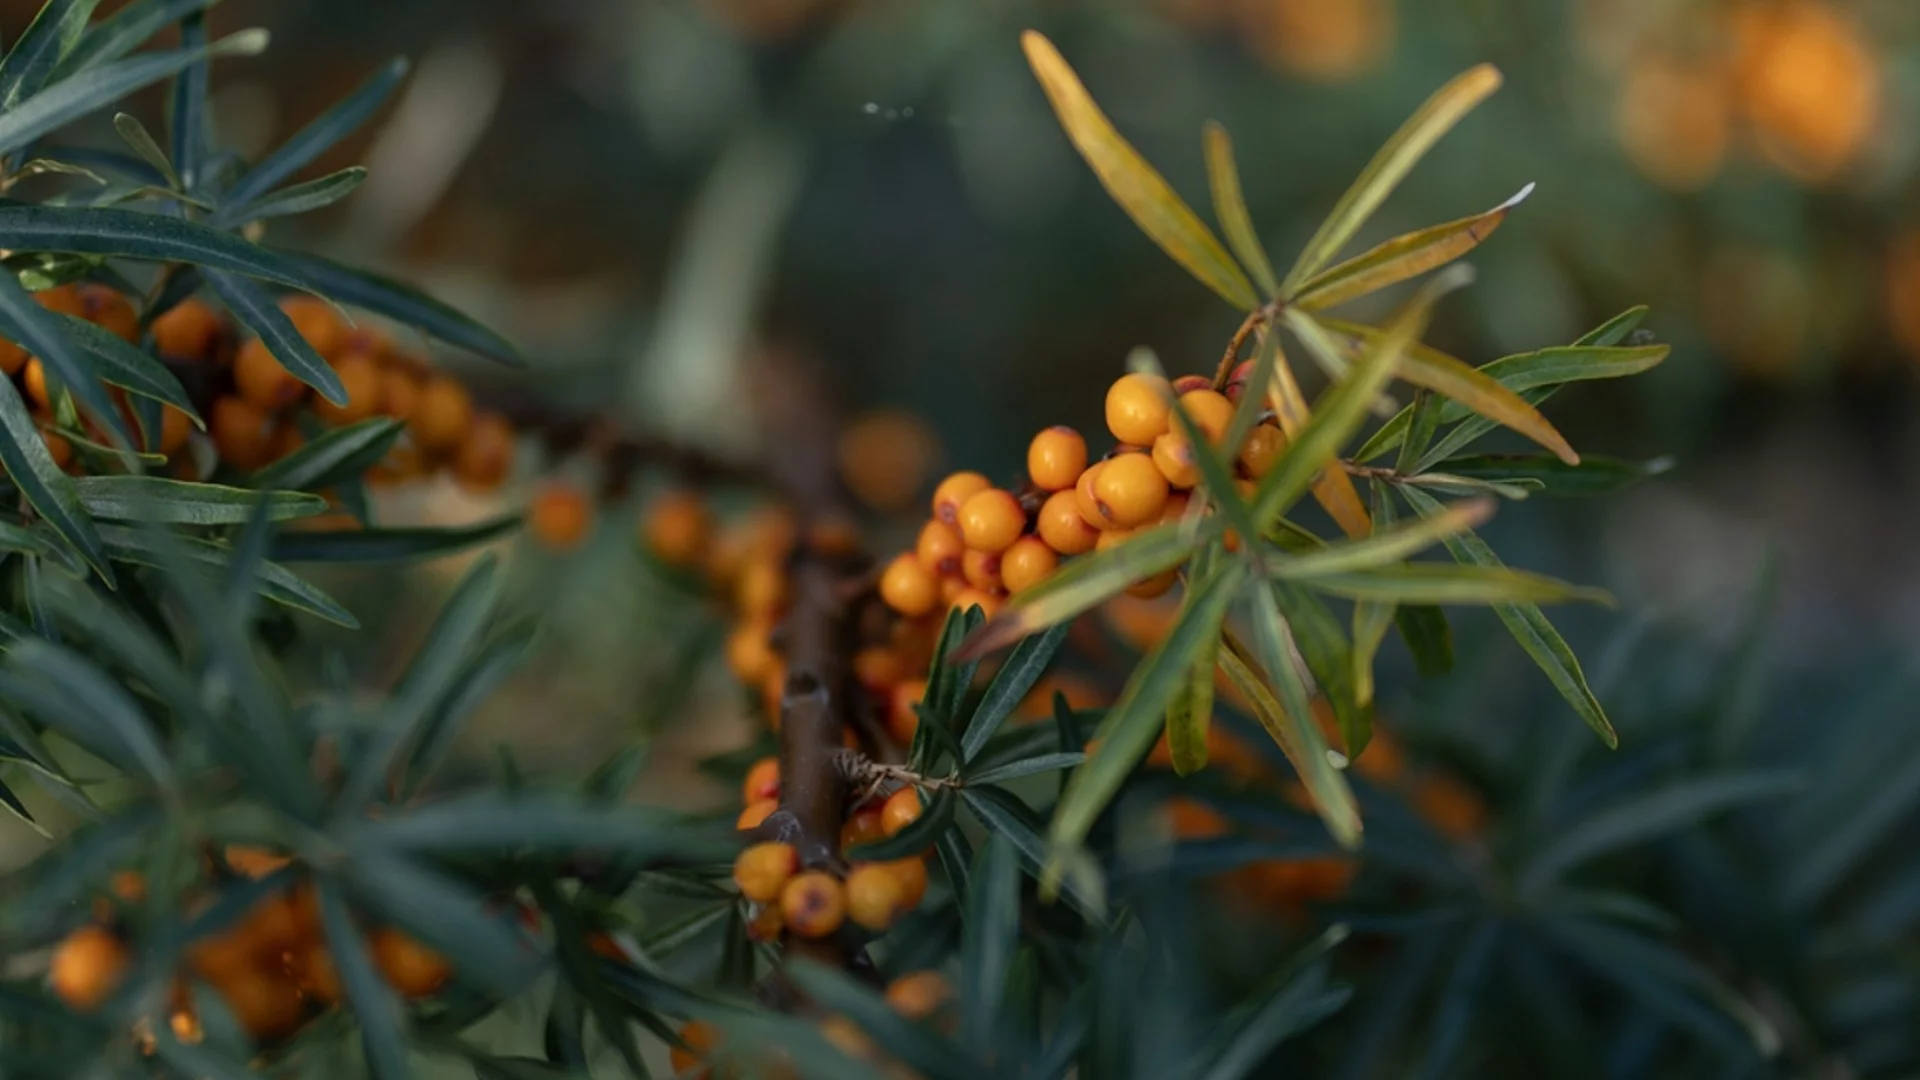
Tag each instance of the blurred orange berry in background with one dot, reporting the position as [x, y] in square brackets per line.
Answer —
[1322, 40]
[1903, 291]
[1674, 119]
[1810, 84]
[885, 456]
[560, 516]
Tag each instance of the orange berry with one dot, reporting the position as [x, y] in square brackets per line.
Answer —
[560, 516]
[64, 299]
[1062, 527]
[1137, 408]
[1086, 501]
[1265, 444]
[1027, 563]
[762, 781]
[991, 520]
[360, 377]
[761, 590]
[762, 871]
[955, 490]
[271, 928]
[767, 925]
[103, 306]
[911, 873]
[400, 391]
[443, 416]
[286, 440]
[1451, 807]
[221, 955]
[1056, 457]
[982, 570]
[87, 968]
[861, 827]
[186, 1027]
[697, 1040]
[1185, 384]
[262, 380]
[189, 331]
[1130, 491]
[315, 974]
[847, 1037]
[876, 896]
[128, 886]
[834, 535]
[902, 719]
[1176, 508]
[970, 597]
[677, 528]
[940, 548]
[58, 447]
[1173, 456]
[485, 455]
[1158, 585]
[877, 668]
[909, 587]
[242, 433]
[885, 456]
[750, 650]
[265, 1003]
[1210, 411]
[951, 588]
[175, 428]
[755, 813]
[12, 357]
[919, 994]
[813, 904]
[901, 809]
[36, 383]
[316, 321]
[1190, 819]
[408, 966]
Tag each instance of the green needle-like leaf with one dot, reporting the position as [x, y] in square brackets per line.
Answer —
[402, 303]
[1442, 583]
[1016, 677]
[338, 455]
[48, 489]
[365, 546]
[52, 34]
[259, 312]
[1388, 545]
[1403, 257]
[299, 198]
[1289, 717]
[126, 30]
[313, 140]
[179, 502]
[1230, 206]
[136, 234]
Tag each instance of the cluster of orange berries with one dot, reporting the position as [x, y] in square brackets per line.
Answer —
[251, 422]
[815, 903]
[270, 966]
[920, 996]
[984, 543]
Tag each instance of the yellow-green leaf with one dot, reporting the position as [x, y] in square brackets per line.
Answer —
[1389, 166]
[1333, 488]
[1390, 545]
[1230, 206]
[1401, 258]
[1294, 729]
[1141, 191]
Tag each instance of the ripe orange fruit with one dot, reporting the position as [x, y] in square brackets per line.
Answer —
[1137, 408]
[1451, 807]
[443, 416]
[191, 330]
[58, 447]
[316, 321]
[1027, 563]
[1130, 491]
[755, 812]
[876, 896]
[1056, 457]
[361, 379]
[902, 720]
[1173, 456]
[12, 357]
[940, 548]
[697, 1040]
[762, 780]
[315, 974]
[262, 380]
[1264, 446]
[813, 904]
[982, 570]
[103, 306]
[1086, 501]
[242, 433]
[560, 516]
[485, 456]
[919, 994]
[901, 809]
[955, 490]
[175, 428]
[1210, 411]
[35, 380]
[970, 597]
[885, 456]
[750, 651]
[761, 590]
[762, 870]
[877, 667]
[267, 1004]
[409, 967]
[991, 520]
[861, 827]
[400, 391]
[678, 527]
[1062, 527]
[87, 968]
[908, 587]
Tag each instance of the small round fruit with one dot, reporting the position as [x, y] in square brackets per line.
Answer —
[991, 520]
[761, 590]
[58, 447]
[678, 527]
[12, 357]
[1086, 501]
[1173, 456]
[970, 597]
[1130, 491]
[955, 490]
[763, 870]
[1027, 563]
[940, 548]
[909, 587]
[813, 904]
[316, 321]
[443, 416]
[560, 516]
[919, 994]
[876, 897]
[105, 307]
[360, 378]
[1137, 408]
[982, 570]
[885, 456]
[262, 380]
[485, 455]
[87, 968]
[902, 719]
[911, 873]
[315, 974]
[697, 1040]
[1061, 526]
[846, 1036]
[861, 827]
[762, 780]
[1264, 446]
[1210, 411]
[901, 809]
[189, 331]
[400, 391]
[750, 652]
[266, 1003]
[877, 668]
[1158, 585]
[767, 924]
[175, 428]
[408, 966]
[754, 813]
[35, 380]
[1056, 457]
[271, 928]
[242, 433]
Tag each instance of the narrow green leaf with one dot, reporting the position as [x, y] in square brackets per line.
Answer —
[259, 312]
[336, 456]
[123, 364]
[1013, 770]
[1142, 192]
[187, 106]
[72, 695]
[136, 234]
[43, 333]
[402, 303]
[323, 132]
[1293, 1001]
[1004, 815]
[50, 491]
[382, 1019]
[1389, 166]
[42, 544]
[51, 35]
[495, 823]
[136, 135]
[1371, 619]
[482, 675]
[1385, 546]
[1289, 717]
[1322, 643]
[1253, 396]
[1082, 584]
[299, 198]
[1403, 257]
[1442, 583]
[361, 546]
[1529, 626]
[1593, 476]
[1137, 715]
[96, 88]
[915, 1046]
[1230, 206]
[1015, 678]
[1190, 714]
[180, 502]
[987, 945]
[275, 582]
[446, 916]
[126, 30]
